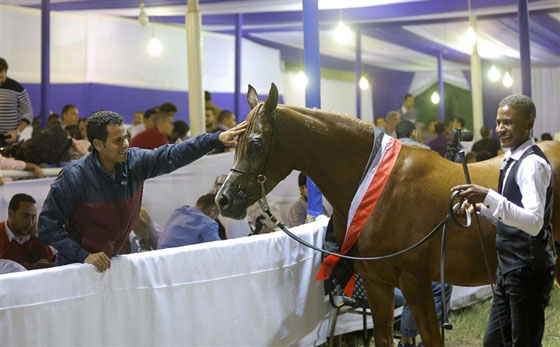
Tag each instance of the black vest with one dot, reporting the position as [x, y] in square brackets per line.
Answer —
[516, 248]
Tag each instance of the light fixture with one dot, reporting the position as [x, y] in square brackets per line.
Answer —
[301, 80]
[364, 83]
[494, 74]
[142, 16]
[469, 39]
[435, 98]
[341, 33]
[507, 80]
[154, 47]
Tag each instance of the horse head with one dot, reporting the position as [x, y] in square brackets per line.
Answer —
[252, 171]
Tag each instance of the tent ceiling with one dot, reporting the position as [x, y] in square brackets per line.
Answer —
[398, 34]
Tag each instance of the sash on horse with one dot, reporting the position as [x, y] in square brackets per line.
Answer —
[383, 156]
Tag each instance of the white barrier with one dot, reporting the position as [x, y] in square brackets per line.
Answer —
[20, 174]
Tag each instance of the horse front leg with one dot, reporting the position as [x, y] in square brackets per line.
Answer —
[420, 299]
[381, 296]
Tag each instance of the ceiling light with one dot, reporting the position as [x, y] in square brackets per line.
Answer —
[301, 80]
[507, 80]
[154, 47]
[342, 34]
[435, 98]
[142, 16]
[364, 83]
[494, 74]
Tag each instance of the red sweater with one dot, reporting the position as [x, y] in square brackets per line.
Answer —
[149, 139]
[27, 254]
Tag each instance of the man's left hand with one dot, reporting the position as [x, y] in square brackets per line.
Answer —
[472, 192]
[228, 137]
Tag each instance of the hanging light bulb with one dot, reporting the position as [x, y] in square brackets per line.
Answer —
[301, 80]
[342, 34]
[154, 47]
[435, 98]
[142, 16]
[494, 74]
[364, 83]
[507, 80]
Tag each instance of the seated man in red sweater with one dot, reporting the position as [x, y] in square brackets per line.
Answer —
[18, 235]
[163, 128]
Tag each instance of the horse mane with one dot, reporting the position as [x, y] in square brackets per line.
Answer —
[332, 116]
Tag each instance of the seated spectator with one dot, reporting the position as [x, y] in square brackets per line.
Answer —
[409, 329]
[208, 103]
[145, 233]
[180, 132]
[406, 132]
[210, 119]
[14, 164]
[73, 131]
[226, 120]
[70, 115]
[546, 137]
[439, 143]
[147, 125]
[297, 211]
[53, 121]
[137, 118]
[391, 120]
[156, 136]
[191, 225]
[82, 126]
[18, 235]
[379, 122]
[429, 132]
[487, 143]
[471, 158]
[483, 155]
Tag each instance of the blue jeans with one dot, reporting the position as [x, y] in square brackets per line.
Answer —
[408, 326]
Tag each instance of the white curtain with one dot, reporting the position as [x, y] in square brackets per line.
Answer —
[545, 87]
[337, 96]
[423, 80]
[92, 48]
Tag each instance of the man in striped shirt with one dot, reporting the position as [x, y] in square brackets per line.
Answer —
[15, 107]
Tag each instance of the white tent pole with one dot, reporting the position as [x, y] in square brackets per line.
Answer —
[476, 84]
[194, 57]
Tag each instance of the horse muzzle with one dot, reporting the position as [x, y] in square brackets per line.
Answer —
[232, 202]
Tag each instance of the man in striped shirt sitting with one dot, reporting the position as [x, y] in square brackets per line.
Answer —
[15, 107]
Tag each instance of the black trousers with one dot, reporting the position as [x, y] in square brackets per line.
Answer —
[518, 307]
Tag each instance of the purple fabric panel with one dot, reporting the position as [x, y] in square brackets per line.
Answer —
[389, 88]
[123, 100]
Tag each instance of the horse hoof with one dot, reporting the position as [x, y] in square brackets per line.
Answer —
[447, 326]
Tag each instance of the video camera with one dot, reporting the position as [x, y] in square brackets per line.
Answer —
[454, 143]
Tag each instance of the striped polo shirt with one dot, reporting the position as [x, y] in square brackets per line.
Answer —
[14, 105]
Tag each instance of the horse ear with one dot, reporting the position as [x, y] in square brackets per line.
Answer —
[272, 100]
[252, 97]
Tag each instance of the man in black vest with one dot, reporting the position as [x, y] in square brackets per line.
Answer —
[521, 210]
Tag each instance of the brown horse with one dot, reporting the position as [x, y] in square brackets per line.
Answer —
[333, 150]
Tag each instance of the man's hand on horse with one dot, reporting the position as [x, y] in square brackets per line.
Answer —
[472, 192]
[228, 137]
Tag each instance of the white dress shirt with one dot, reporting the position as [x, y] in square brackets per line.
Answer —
[11, 236]
[533, 178]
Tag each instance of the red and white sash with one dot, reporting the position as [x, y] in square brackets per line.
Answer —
[364, 201]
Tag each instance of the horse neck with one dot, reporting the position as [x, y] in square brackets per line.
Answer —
[330, 148]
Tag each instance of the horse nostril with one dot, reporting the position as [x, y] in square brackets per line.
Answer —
[224, 201]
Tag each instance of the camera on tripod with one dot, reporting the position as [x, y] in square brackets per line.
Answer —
[454, 143]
